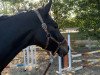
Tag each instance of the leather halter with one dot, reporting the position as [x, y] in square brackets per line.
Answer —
[44, 26]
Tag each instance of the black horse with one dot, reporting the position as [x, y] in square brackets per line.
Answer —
[29, 28]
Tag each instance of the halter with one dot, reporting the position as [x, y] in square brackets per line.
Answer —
[44, 26]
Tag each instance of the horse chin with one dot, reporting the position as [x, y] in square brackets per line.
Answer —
[62, 51]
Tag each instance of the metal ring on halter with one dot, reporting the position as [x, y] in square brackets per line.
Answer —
[44, 26]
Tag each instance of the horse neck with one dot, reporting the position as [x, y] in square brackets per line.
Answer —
[21, 29]
[29, 27]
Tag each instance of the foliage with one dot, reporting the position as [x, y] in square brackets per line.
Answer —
[10, 6]
[89, 18]
[84, 14]
[13, 1]
[62, 13]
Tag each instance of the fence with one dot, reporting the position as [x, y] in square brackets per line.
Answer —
[71, 58]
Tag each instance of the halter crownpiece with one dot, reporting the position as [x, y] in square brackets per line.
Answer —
[44, 26]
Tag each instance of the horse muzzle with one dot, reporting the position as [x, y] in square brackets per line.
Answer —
[63, 49]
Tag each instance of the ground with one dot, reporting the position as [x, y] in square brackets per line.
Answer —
[43, 61]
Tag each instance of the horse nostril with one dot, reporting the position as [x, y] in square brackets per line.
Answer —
[65, 52]
[62, 51]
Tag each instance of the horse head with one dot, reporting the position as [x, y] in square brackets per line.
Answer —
[48, 35]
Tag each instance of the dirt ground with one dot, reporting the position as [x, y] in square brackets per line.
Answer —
[42, 62]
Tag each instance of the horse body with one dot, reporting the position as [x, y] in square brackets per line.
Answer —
[16, 33]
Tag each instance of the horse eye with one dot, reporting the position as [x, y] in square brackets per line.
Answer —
[56, 27]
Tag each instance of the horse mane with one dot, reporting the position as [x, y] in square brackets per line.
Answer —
[4, 17]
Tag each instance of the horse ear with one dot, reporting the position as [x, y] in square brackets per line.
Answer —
[47, 7]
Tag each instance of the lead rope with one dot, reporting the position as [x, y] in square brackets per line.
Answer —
[51, 61]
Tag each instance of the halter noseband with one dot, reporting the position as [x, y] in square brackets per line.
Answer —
[44, 26]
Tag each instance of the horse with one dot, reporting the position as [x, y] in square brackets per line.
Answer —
[34, 27]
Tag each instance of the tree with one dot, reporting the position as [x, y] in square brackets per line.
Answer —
[63, 13]
[89, 18]
[12, 6]
[84, 14]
